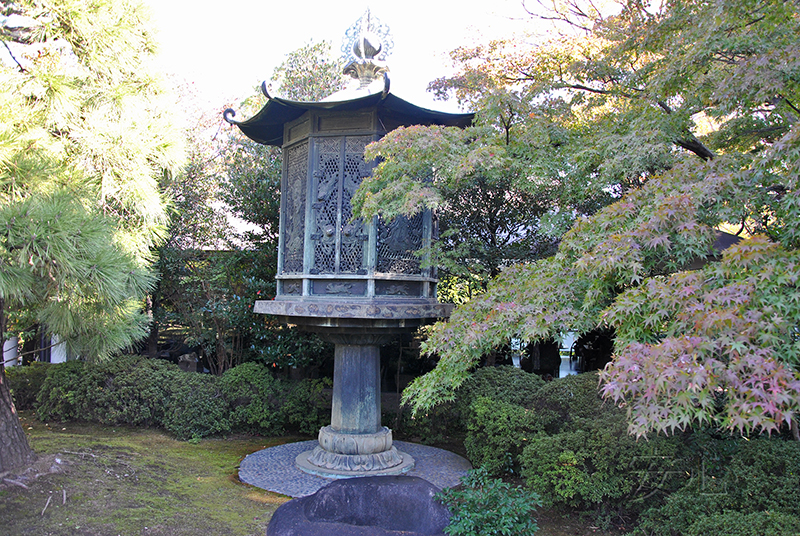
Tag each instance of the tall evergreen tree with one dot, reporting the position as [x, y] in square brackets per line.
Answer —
[84, 136]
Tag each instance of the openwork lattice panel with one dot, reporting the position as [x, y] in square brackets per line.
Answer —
[397, 243]
[353, 236]
[326, 205]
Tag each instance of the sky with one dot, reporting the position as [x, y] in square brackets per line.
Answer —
[226, 48]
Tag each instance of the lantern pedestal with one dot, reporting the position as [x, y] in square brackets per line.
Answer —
[355, 443]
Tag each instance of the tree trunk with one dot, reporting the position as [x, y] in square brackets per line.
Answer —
[14, 449]
[15, 452]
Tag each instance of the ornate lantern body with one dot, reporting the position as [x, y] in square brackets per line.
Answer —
[356, 283]
[323, 253]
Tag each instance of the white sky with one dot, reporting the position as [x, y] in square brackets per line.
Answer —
[226, 48]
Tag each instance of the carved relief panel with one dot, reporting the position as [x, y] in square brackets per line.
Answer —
[294, 208]
[327, 194]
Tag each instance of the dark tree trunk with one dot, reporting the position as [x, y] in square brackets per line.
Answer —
[15, 452]
[14, 449]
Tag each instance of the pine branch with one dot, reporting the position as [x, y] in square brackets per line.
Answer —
[11, 54]
[41, 349]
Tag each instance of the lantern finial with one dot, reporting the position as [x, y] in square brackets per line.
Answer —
[367, 44]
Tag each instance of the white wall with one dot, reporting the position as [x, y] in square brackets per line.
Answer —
[10, 352]
[58, 352]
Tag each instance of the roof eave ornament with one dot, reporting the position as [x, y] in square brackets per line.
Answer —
[229, 113]
[385, 84]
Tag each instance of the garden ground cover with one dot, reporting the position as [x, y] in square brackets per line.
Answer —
[121, 480]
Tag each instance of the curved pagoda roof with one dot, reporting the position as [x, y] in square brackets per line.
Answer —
[366, 48]
[266, 126]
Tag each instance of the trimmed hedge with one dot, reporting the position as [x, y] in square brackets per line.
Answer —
[592, 464]
[585, 459]
[504, 383]
[307, 407]
[195, 406]
[25, 383]
[428, 428]
[452, 419]
[573, 450]
[62, 393]
[741, 524]
[570, 446]
[255, 397]
[127, 390]
[138, 391]
[498, 432]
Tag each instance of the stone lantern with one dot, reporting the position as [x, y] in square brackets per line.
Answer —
[357, 283]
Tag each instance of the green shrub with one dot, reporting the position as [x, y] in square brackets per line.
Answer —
[266, 405]
[134, 390]
[487, 507]
[195, 406]
[498, 431]
[307, 407]
[436, 425]
[25, 382]
[596, 466]
[759, 477]
[584, 457]
[63, 392]
[506, 383]
[129, 390]
[125, 390]
[764, 474]
[678, 512]
[255, 397]
[490, 406]
[734, 523]
[574, 397]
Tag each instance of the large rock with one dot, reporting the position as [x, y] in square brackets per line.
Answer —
[368, 506]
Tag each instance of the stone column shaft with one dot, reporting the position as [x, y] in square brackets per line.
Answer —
[356, 389]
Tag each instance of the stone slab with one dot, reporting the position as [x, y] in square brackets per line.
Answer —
[349, 309]
[273, 469]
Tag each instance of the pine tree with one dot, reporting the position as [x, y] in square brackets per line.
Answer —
[84, 136]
